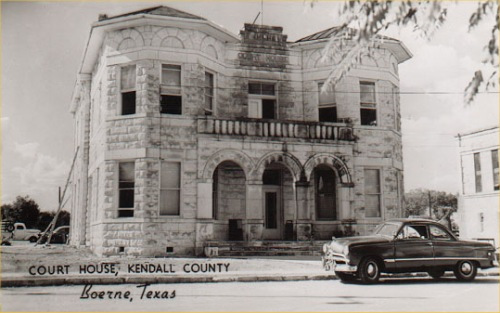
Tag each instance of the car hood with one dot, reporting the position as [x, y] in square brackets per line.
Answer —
[338, 244]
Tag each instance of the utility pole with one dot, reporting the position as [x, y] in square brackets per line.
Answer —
[430, 203]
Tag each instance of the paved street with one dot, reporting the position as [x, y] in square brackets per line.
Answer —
[416, 294]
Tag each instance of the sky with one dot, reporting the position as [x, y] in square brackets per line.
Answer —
[42, 47]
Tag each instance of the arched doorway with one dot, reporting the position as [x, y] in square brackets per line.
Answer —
[278, 198]
[228, 201]
[325, 193]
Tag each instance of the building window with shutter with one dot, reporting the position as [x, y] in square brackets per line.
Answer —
[477, 172]
[126, 189]
[372, 193]
[170, 188]
[127, 89]
[327, 106]
[170, 89]
[368, 104]
[209, 93]
[494, 161]
[262, 100]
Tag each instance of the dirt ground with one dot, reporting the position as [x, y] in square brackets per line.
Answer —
[16, 260]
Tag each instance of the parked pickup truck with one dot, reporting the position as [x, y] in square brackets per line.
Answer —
[20, 232]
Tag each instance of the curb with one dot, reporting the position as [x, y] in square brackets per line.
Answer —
[59, 281]
[112, 280]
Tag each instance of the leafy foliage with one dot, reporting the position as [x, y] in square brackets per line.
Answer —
[363, 21]
[26, 210]
[442, 204]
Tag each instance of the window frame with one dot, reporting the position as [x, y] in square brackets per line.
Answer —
[379, 193]
[328, 105]
[211, 110]
[118, 190]
[160, 189]
[478, 183]
[369, 106]
[123, 91]
[494, 169]
[252, 97]
[168, 90]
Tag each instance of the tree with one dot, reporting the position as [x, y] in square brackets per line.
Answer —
[440, 204]
[23, 209]
[363, 21]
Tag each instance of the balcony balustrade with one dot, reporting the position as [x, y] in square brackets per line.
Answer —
[275, 128]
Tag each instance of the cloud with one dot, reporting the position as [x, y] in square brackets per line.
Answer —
[27, 150]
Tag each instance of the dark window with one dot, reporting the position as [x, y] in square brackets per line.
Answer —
[272, 177]
[368, 103]
[438, 233]
[326, 207]
[171, 98]
[372, 193]
[171, 104]
[261, 89]
[127, 88]
[327, 106]
[494, 161]
[126, 188]
[328, 114]
[477, 172]
[128, 103]
[268, 109]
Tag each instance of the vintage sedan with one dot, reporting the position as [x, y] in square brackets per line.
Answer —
[407, 245]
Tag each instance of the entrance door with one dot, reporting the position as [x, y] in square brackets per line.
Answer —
[273, 220]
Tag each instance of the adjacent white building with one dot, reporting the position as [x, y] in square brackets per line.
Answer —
[478, 201]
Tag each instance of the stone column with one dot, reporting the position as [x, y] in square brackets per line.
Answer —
[254, 222]
[204, 200]
[303, 222]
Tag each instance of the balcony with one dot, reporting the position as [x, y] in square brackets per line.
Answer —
[275, 129]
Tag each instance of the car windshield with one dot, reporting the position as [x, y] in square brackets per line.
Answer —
[387, 229]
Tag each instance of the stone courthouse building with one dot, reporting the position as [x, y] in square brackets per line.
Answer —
[187, 133]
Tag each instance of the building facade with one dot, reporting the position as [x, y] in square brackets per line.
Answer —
[186, 133]
[478, 203]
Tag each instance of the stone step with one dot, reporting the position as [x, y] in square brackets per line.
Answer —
[265, 248]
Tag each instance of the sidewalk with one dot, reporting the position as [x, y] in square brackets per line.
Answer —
[18, 262]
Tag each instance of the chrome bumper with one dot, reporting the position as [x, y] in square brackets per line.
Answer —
[338, 263]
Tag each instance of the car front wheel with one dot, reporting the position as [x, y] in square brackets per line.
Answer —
[465, 270]
[369, 271]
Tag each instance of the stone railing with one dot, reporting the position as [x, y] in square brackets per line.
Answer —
[275, 128]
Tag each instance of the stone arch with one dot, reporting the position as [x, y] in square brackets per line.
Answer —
[313, 59]
[336, 163]
[171, 42]
[128, 38]
[238, 157]
[125, 44]
[288, 160]
[164, 32]
[209, 46]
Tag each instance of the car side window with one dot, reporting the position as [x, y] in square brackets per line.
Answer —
[413, 232]
[439, 233]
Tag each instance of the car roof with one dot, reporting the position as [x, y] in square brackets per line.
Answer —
[413, 220]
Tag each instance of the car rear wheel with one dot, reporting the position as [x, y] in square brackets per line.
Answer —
[369, 271]
[436, 273]
[33, 239]
[465, 270]
[345, 278]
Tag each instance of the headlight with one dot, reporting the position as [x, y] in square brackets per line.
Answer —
[345, 251]
[325, 248]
